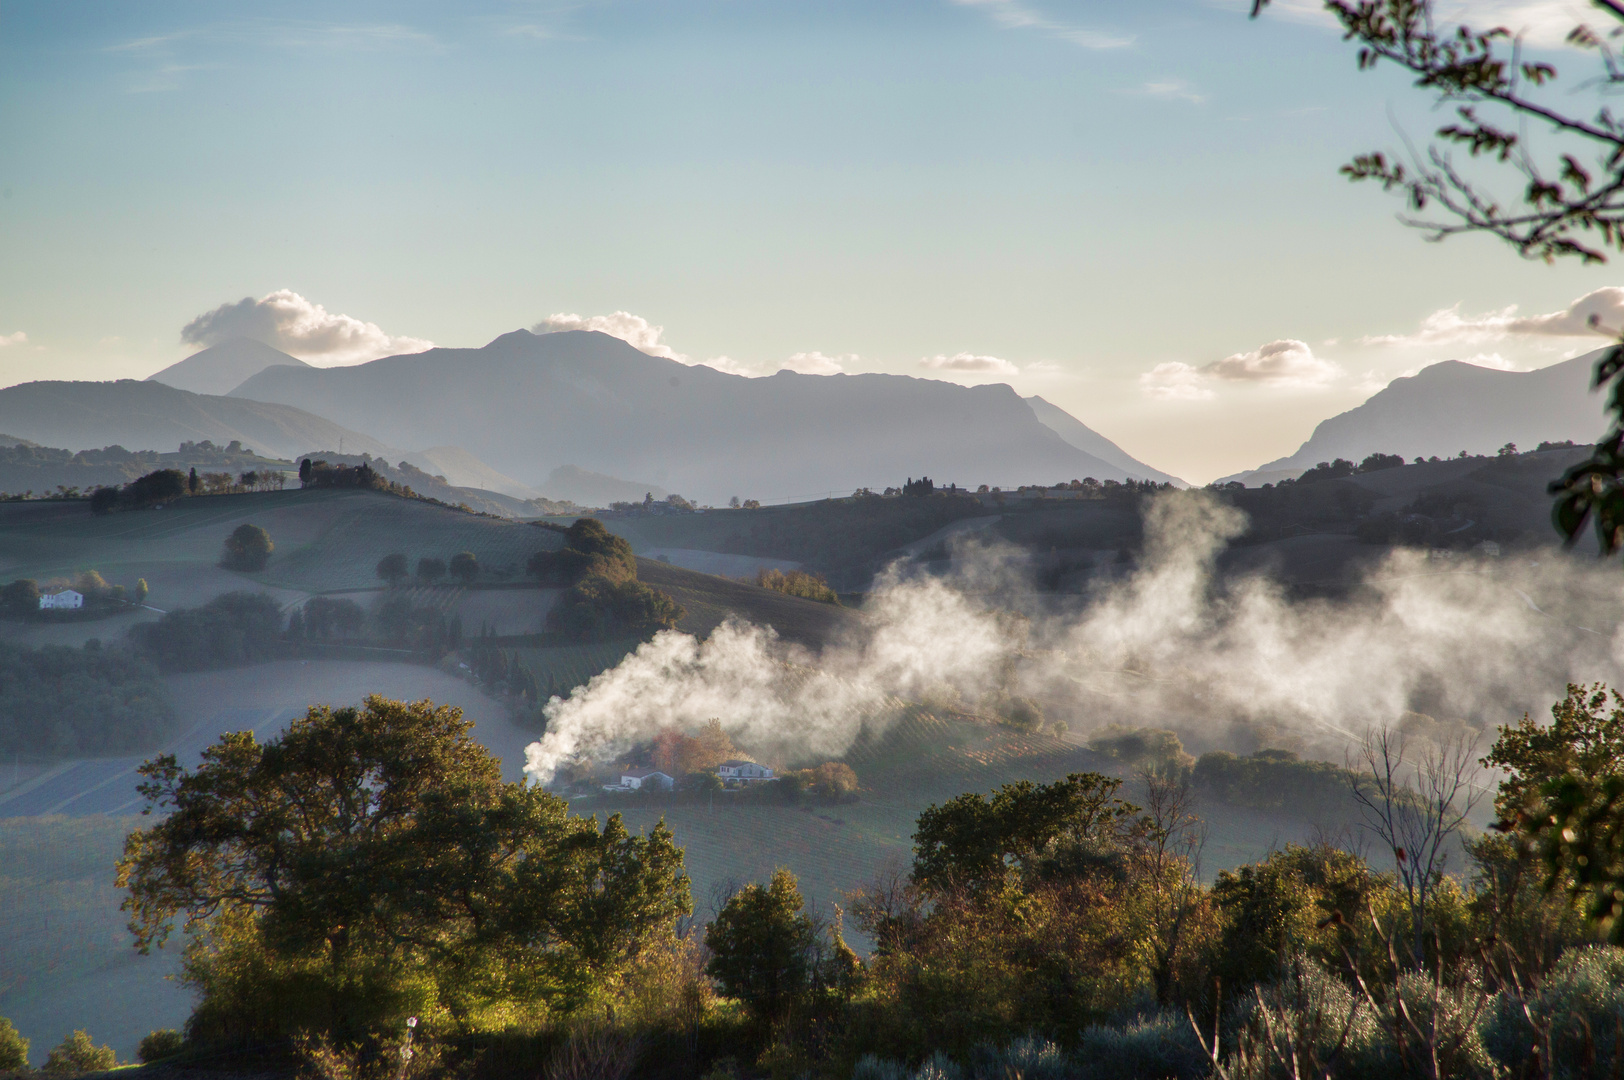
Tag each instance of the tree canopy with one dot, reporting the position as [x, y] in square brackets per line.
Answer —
[248, 547]
[371, 860]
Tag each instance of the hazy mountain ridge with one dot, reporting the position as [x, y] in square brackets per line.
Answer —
[153, 415]
[1089, 441]
[217, 369]
[527, 404]
[1455, 406]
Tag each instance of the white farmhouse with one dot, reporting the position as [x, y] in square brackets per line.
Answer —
[66, 598]
[639, 778]
[739, 771]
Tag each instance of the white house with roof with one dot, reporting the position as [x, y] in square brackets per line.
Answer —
[64, 598]
[636, 779]
[739, 771]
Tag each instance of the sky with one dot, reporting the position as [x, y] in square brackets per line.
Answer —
[1130, 209]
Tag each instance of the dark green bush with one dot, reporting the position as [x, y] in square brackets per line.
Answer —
[232, 629]
[59, 701]
[78, 1053]
[157, 1045]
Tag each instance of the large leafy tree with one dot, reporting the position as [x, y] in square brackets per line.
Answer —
[372, 860]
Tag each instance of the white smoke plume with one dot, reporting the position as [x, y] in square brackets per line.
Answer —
[1171, 643]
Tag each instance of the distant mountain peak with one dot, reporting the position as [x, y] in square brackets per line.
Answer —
[220, 368]
[1453, 406]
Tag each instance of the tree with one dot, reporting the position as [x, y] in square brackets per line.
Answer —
[304, 471]
[248, 548]
[370, 862]
[976, 843]
[430, 570]
[393, 568]
[13, 1048]
[21, 597]
[191, 481]
[764, 947]
[1564, 795]
[464, 567]
[141, 590]
[78, 1053]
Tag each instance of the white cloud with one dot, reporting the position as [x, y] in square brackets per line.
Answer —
[1538, 22]
[634, 330]
[287, 321]
[816, 363]
[641, 335]
[1449, 326]
[1286, 362]
[1175, 381]
[1015, 15]
[19, 338]
[1168, 90]
[970, 363]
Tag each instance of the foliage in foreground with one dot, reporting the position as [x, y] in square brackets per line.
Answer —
[371, 864]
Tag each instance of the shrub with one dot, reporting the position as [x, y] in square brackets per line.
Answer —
[248, 548]
[1029, 1059]
[58, 701]
[1583, 995]
[870, 1067]
[158, 1045]
[392, 568]
[798, 583]
[13, 1048]
[598, 607]
[79, 1054]
[1157, 1045]
[1137, 748]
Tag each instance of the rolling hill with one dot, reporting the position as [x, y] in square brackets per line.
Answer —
[1450, 407]
[527, 404]
[216, 370]
[151, 415]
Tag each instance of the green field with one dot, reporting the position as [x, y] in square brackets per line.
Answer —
[326, 540]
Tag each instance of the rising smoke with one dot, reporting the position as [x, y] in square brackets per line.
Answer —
[1226, 660]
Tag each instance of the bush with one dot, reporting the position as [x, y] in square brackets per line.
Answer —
[1583, 993]
[1143, 748]
[158, 1045]
[234, 628]
[78, 1054]
[870, 1067]
[798, 583]
[13, 1048]
[248, 548]
[1158, 1045]
[464, 566]
[1029, 1059]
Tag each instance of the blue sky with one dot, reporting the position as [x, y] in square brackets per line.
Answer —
[1124, 207]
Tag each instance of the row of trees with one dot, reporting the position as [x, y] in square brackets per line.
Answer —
[395, 569]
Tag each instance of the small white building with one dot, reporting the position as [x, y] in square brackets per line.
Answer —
[639, 778]
[67, 598]
[739, 771]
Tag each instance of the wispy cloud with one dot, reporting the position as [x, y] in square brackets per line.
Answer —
[816, 363]
[1015, 15]
[1167, 90]
[19, 338]
[1448, 326]
[1286, 363]
[970, 363]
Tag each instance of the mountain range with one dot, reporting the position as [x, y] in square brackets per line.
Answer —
[150, 415]
[1450, 407]
[528, 404]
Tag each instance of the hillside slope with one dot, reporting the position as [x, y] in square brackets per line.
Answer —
[527, 404]
[1451, 407]
[153, 416]
[1089, 441]
[216, 370]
